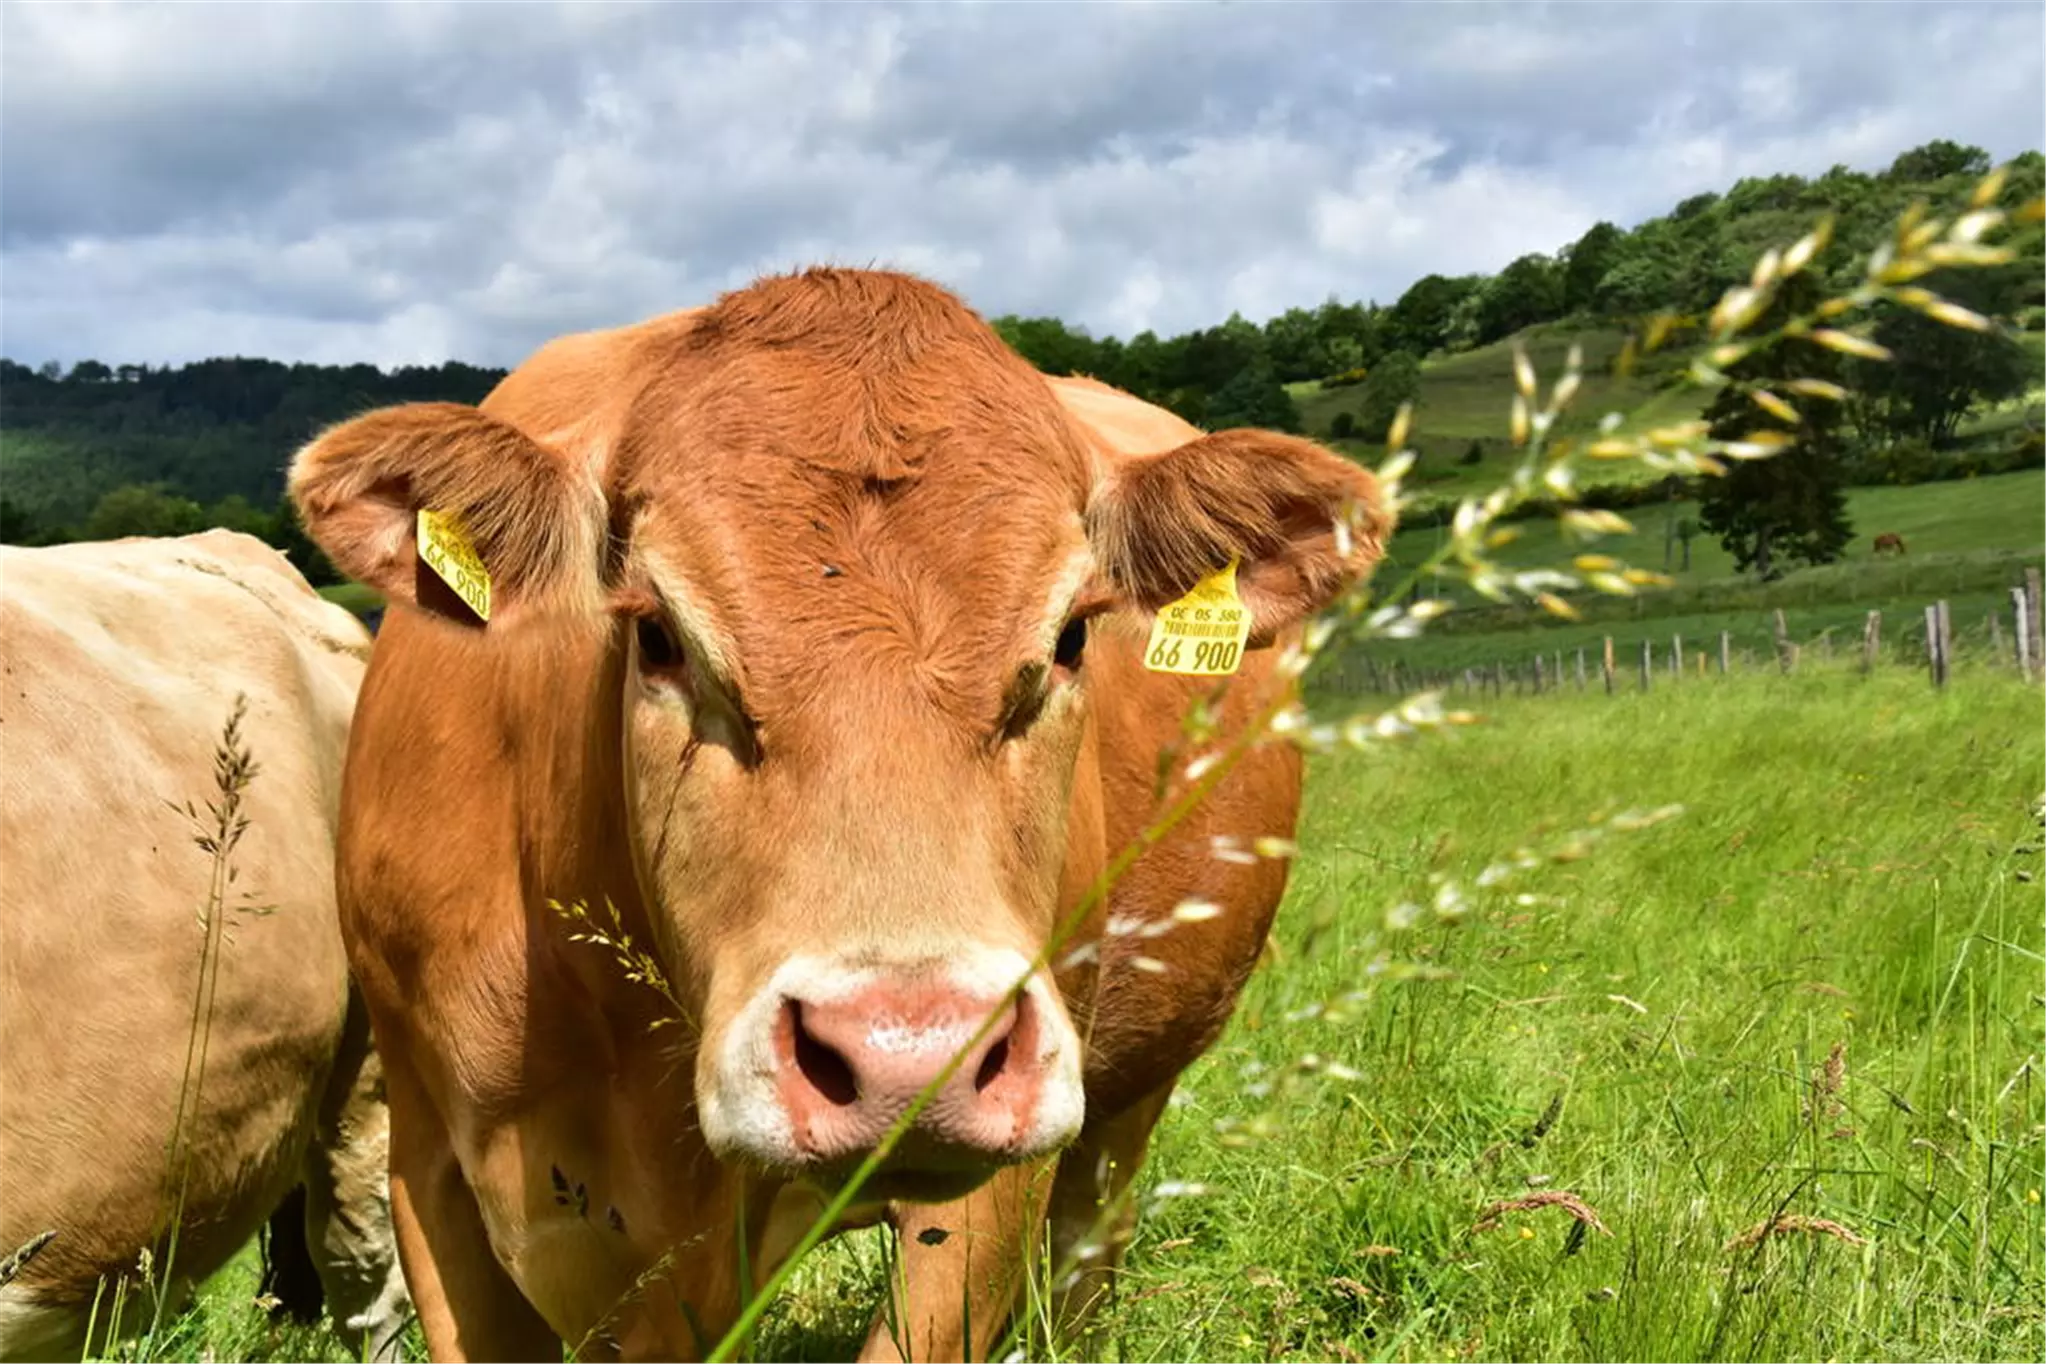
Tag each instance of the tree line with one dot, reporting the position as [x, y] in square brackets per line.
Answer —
[105, 449]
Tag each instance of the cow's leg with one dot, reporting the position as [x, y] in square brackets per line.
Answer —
[347, 1210]
[959, 1266]
[468, 1307]
[290, 1279]
[1092, 1218]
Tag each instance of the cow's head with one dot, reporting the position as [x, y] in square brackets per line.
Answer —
[848, 547]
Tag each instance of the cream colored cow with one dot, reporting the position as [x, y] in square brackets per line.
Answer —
[121, 664]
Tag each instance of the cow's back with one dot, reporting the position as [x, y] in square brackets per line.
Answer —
[120, 663]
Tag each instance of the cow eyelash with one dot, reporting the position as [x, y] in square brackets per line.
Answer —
[1034, 681]
[663, 655]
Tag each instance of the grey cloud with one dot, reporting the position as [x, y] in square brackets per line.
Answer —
[413, 182]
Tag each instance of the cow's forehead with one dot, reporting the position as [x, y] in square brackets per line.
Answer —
[852, 470]
[945, 583]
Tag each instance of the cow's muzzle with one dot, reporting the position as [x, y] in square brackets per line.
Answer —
[829, 1061]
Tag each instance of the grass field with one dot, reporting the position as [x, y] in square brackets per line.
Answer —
[1468, 396]
[1856, 868]
[1969, 540]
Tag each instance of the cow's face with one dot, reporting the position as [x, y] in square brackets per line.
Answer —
[851, 549]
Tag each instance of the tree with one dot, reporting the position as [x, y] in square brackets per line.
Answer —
[1254, 397]
[1293, 340]
[1792, 505]
[1586, 263]
[1639, 282]
[1526, 292]
[143, 509]
[1394, 380]
[17, 527]
[1937, 372]
[234, 512]
[305, 555]
[1047, 343]
[1936, 160]
[1420, 320]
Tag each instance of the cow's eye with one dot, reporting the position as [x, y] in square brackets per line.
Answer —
[1072, 643]
[658, 648]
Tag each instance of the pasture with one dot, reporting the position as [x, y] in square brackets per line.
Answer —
[1813, 995]
[1466, 396]
[1947, 527]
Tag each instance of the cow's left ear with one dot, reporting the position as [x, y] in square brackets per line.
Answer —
[1160, 523]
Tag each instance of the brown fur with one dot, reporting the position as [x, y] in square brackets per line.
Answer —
[852, 506]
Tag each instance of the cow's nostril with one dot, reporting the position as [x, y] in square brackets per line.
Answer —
[991, 1065]
[820, 1064]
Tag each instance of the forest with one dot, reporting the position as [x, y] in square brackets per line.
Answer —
[106, 449]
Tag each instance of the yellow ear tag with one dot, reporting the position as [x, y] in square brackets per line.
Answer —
[1203, 633]
[446, 549]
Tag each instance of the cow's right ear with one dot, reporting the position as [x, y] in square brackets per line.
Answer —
[533, 517]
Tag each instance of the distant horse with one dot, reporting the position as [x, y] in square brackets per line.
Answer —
[1889, 542]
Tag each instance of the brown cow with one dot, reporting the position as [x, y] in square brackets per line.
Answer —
[814, 649]
[122, 663]
[1889, 542]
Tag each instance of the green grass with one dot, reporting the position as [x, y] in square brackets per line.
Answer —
[1844, 874]
[356, 597]
[1968, 539]
[1847, 871]
[1468, 396]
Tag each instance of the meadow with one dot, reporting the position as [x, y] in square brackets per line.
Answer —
[1463, 398]
[1812, 999]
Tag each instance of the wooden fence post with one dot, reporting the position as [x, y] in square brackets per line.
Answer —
[1647, 663]
[1538, 678]
[2032, 620]
[1946, 639]
[2021, 627]
[1676, 658]
[1783, 654]
[1609, 665]
[1934, 657]
[1871, 641]
[1725, 652]
[1580, 667]
[1995, 639]
[1498, 679]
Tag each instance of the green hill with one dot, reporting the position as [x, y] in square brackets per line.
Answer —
[110, 449]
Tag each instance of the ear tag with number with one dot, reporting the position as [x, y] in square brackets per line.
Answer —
[1203, 633]
[445, 548]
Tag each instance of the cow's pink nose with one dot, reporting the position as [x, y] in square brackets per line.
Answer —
[851, 1066]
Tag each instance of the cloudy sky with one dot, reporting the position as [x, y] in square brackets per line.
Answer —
[415, 182]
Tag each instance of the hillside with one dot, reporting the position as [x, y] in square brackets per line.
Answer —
[105, 450]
